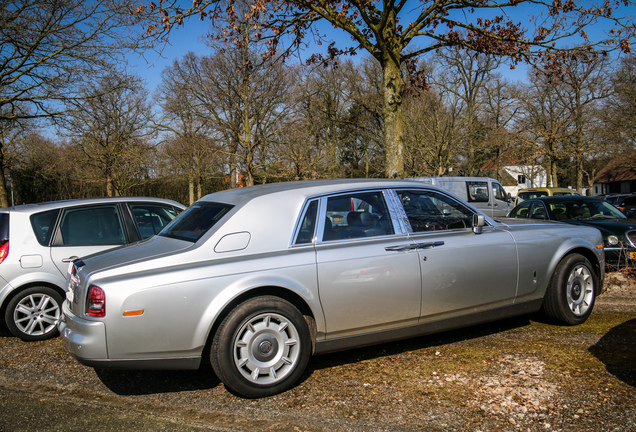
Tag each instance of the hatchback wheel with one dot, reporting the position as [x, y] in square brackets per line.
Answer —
[261, 348]
[572, 291]
[32, 314]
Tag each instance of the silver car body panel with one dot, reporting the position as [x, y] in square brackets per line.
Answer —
[357, 291]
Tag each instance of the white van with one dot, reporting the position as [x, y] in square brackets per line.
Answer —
[483, 193]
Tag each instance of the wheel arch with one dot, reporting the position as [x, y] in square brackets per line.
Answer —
[270, 290]
[597, 266]
[15, 291]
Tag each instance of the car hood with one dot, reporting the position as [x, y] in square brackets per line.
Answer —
[608, 226]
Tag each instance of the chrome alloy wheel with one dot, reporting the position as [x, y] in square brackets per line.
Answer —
[580, 290]
[266, 348]
[36, 314]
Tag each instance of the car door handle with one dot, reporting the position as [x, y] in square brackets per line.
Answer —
[70, 259]
[400, 248]
[429, 245]
[413, 246]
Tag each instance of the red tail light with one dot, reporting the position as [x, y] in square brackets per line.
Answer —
[4, 250]
[96, 302]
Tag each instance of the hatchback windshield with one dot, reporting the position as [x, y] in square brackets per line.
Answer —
[193, 223]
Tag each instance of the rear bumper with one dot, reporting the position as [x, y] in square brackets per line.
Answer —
[83, 338]
[86, 341]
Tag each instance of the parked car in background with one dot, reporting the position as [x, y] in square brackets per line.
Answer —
[258, 279]
[483, 193]
[616, 199]
[627, 205]
[619, 232]
[530, 193]
[38, 241]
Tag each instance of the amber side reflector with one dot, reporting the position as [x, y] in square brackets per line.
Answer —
[599, 246]
[134, 313]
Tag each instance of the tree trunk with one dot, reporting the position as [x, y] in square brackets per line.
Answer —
[109, 185]
[191, 189]
[4, 197]
[393, 88]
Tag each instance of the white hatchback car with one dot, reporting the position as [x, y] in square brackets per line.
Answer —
[37, 242]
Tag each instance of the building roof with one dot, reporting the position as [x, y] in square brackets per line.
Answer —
[621, 168]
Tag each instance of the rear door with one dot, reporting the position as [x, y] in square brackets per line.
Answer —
[368, 276]
[86, 230]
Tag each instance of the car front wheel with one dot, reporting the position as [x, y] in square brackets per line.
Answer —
[261, 348]
[32, 314]
[572, 291]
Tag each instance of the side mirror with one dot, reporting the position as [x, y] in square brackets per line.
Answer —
[479, 221]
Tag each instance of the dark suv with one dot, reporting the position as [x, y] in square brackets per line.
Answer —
[38, 241]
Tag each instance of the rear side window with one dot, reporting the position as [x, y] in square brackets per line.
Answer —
[357, 215]
[151, 218]
[95, 225]
[193, 223]
[43, 225]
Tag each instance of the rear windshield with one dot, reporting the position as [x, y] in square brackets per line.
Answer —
[193, 223]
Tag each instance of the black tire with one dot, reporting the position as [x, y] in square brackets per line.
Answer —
[32, 314]
[571, 293]
[261, 348]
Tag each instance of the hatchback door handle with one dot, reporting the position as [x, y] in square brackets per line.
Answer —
[70, 259]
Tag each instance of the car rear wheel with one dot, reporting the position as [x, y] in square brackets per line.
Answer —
[32, 314]
[572, 291]
[261, 348]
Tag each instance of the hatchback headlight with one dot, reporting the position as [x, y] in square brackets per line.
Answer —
[612, 240]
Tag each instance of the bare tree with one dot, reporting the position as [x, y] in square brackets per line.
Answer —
[463, 76]
[396, 33]
[111, 127]
[50, 47]
[190, 145]
[432, 134]
[545, 122]
[585, 87]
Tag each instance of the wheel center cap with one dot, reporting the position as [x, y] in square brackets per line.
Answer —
[576, 290]
[265, 347]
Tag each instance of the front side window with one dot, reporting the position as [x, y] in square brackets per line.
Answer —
[95, 225]
[357, 215]
[477, 191]
[432, 211]
[193, 223]
[151, 218]
[499, 192]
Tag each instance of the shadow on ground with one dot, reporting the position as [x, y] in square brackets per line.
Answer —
[142, 382]
[617, 350]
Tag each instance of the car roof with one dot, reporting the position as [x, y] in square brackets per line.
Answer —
[307, 188]
[565, 198]
[51, 205]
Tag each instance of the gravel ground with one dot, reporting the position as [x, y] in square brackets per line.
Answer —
[515, 375]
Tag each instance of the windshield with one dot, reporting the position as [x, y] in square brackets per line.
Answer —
[584, 209]
[523, 196]
[193, 223]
